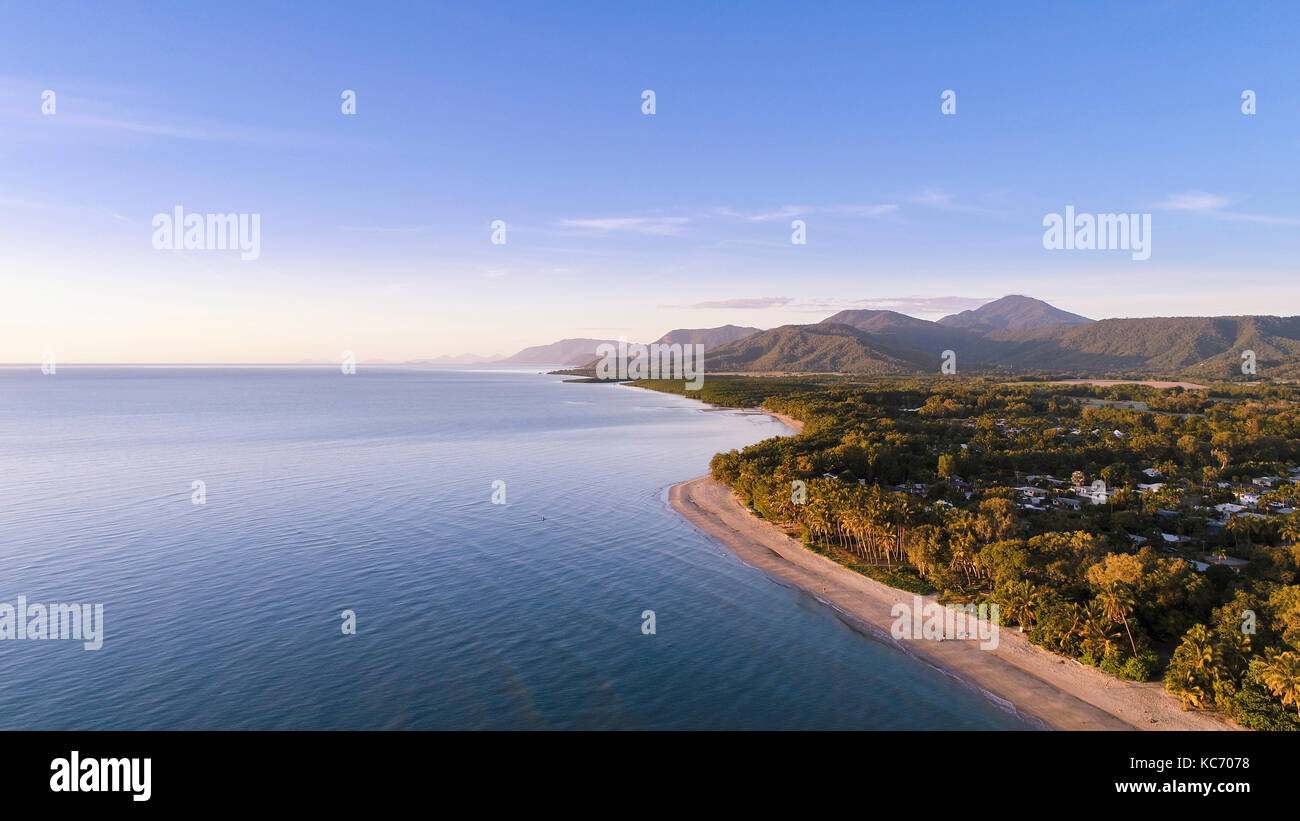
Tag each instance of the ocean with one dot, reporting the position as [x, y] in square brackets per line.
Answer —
[374, 493]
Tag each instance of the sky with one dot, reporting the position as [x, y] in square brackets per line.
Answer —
[375, 228]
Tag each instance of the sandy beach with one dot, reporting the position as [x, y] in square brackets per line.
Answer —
[1053, 691]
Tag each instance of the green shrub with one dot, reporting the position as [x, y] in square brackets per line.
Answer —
[1142, 667]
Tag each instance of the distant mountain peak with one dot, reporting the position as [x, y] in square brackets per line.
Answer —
[568, 352]
[577, 353]
[1013, 312]
[708, 337]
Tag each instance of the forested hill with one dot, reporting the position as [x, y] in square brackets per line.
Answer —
[886, 342]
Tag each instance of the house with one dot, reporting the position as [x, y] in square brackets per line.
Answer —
[1248, 498]
[1099, 495]
[1225, 561]
[1227, 509]
[1151, 488]
[1266, 481]
[1150, 473]
[1068, 502]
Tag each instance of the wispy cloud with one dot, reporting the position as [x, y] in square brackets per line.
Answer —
[784, 212]
[1214, 205]
[863, 210]
[791, 211]
[1194, 201]
[947, 201]
[39, 205]
[743, 303]
[660, 226]
[384, 229]
[912, 305]
[82, 117]
[932, 196]
[1262, 218]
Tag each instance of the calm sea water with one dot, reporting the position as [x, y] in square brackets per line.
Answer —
[372, 492]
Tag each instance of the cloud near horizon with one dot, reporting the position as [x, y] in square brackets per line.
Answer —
[902, 304]
[743, 303]
[911, 305]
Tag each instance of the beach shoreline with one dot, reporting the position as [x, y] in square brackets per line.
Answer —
[1050, 690]
[788, 421]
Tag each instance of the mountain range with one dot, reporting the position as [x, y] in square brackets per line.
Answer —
[463, 359]
[580, 352]
[1013, 334]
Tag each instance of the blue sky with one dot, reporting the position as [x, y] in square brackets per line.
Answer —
[375, 229]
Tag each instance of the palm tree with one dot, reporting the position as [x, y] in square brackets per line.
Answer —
[1021, 600]
[904, 512]
[1098, 631]
[816, 516]
[1224, 457]
[1234, 652]
[962, 541]
[1290, 528]
[1077, 616]
[1118, 602]
[1192, 673]
[880, 511]
[1282, 675]
[1238, 526]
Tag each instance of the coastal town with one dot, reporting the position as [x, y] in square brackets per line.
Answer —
[1149, 532]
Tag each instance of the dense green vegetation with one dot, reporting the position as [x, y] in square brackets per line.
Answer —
[1146, 532]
